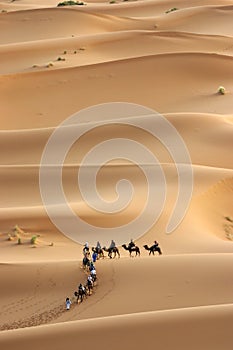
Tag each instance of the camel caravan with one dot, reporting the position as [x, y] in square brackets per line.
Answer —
[91, 256]
[113, 251]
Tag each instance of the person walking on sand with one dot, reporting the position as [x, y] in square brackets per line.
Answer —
[68, 303]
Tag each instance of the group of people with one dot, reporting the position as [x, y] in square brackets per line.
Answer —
[91, 278]
[132, 244]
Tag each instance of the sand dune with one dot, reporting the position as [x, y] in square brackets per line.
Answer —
[43, 285]
[38, 95]
[127, 330]
[104, 47]
[214, 140]
[55, 61]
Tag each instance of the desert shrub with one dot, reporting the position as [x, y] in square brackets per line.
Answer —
[33, 239]
[61, 59]
[70, 3]
[19, 241]
[9, 237]
[50, 64]
[221, 90]
[112, 1]
[172, 9]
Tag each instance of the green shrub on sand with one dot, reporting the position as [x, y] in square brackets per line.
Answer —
[221, 90]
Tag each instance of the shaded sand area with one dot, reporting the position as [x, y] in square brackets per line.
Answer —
[55, 61]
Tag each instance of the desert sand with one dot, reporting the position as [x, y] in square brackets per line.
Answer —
[56, 61]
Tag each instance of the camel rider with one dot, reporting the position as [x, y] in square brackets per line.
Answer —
[86, 248]
[98, 245]
[112, 244]
[89, 280]
[93, 274]
[92, 266]
[131, 244]
[156, 244]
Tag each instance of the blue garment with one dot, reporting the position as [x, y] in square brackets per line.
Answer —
[94, 257]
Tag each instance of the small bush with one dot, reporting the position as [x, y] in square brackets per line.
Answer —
[61, 59]
[50, 64]
[33, 239]
[19, 241]
[172, 9]
[65, 52]
[70, 3]
[228, 218]
[18, 230]
[10, 238]
[67, 3]
[75, 52]
[221, 90]
[112, 1]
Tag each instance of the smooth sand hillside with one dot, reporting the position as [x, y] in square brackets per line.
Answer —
[54, 61]
[41, 287]
[38, 95]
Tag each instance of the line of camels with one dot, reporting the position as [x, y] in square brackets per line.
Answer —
[114, 251]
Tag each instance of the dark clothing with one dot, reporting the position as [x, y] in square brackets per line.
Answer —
[131, 244]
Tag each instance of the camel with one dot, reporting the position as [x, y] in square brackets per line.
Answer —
[99, 252]
[131, 249]
[80, 294]
[154, 248]
[89, 287]
[86, 263]
[111, 251]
